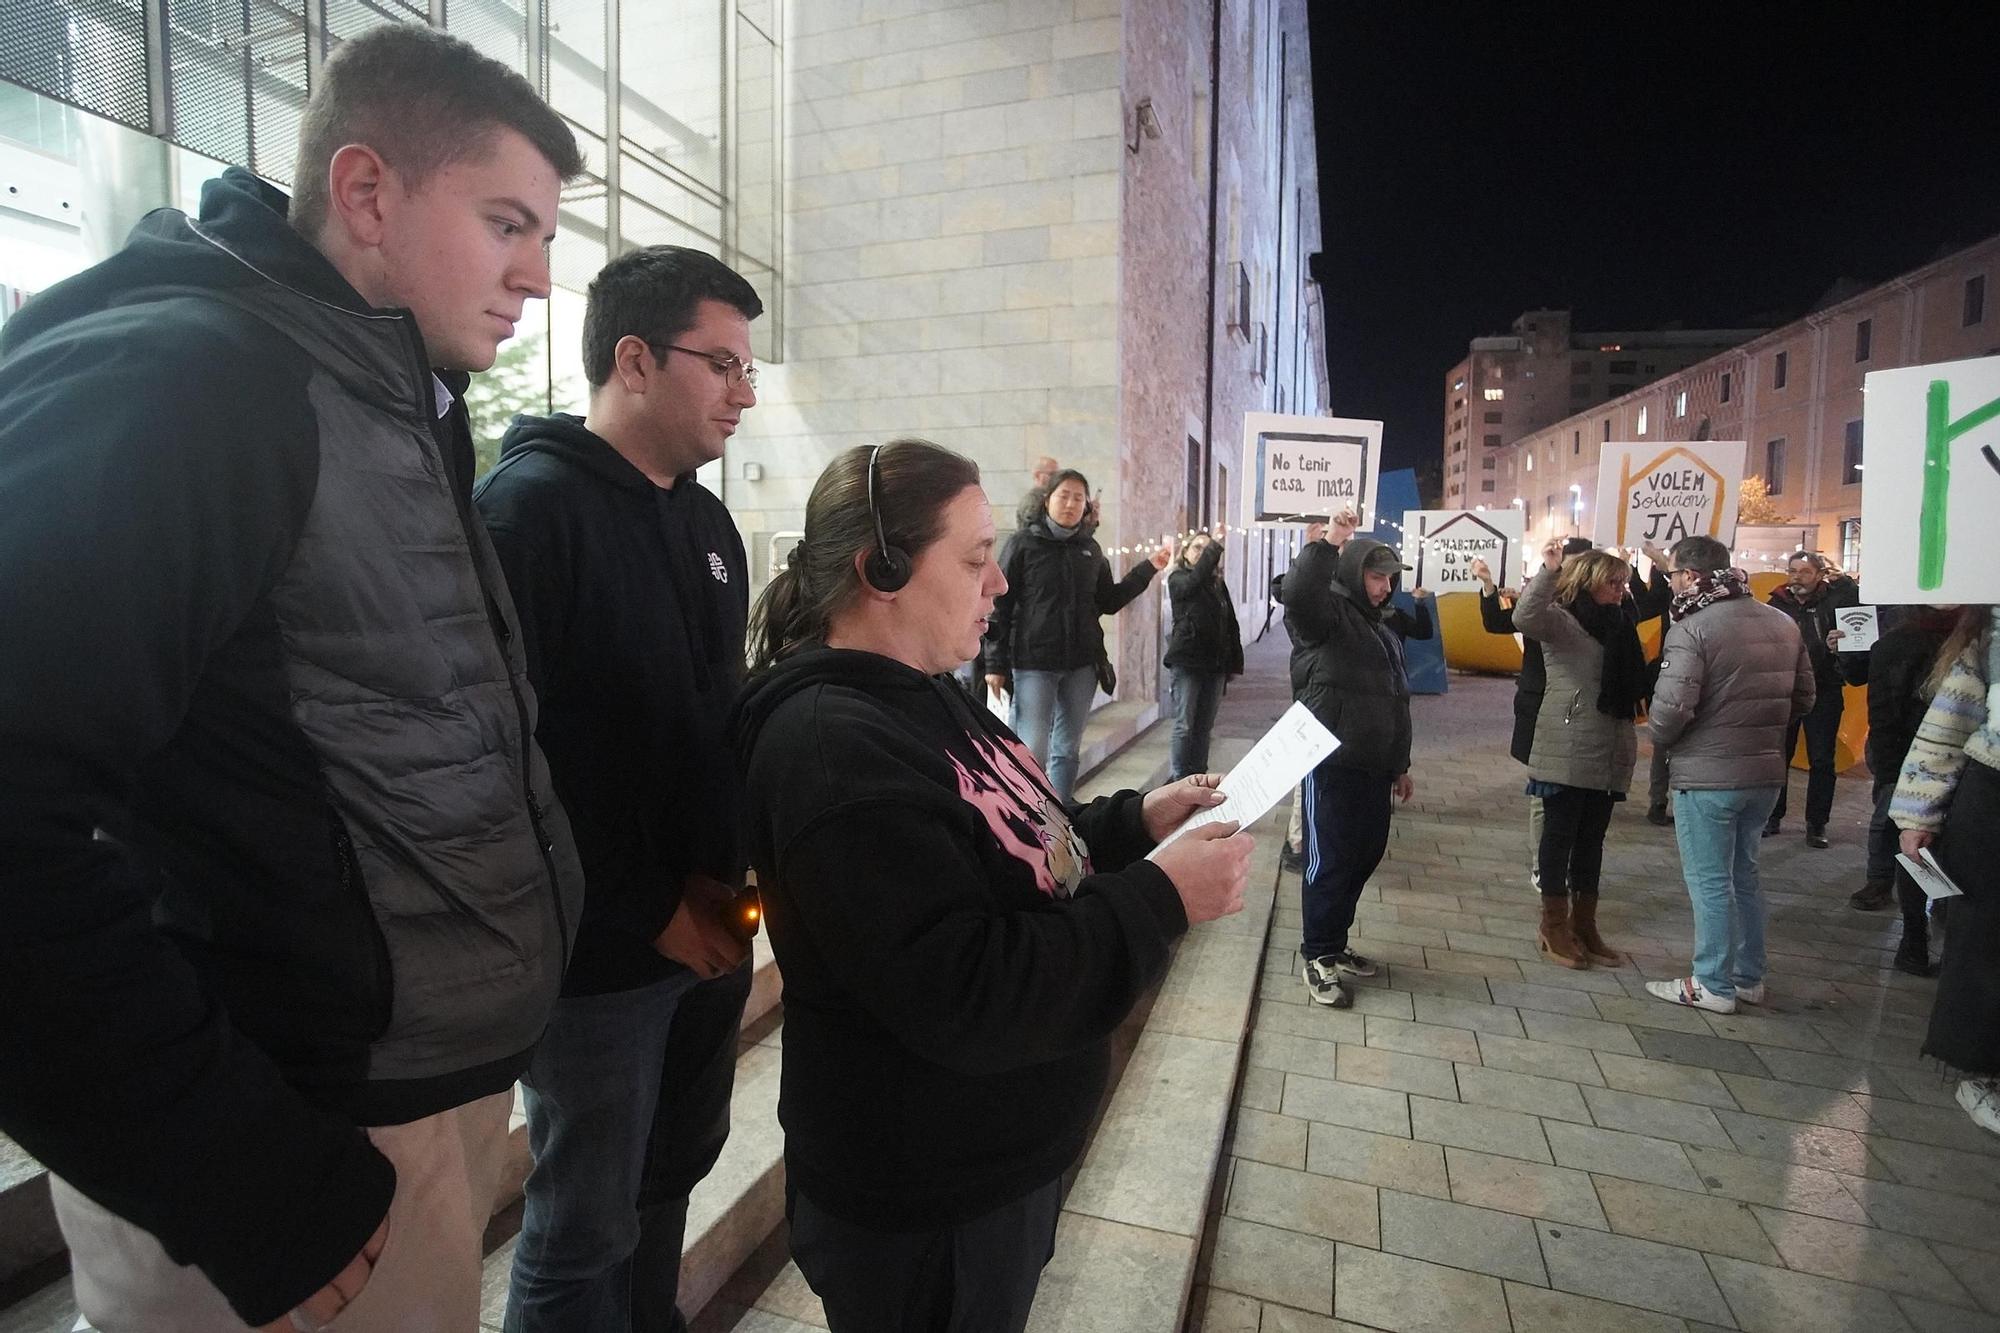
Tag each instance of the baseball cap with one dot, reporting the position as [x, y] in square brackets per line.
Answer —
[1382, 560]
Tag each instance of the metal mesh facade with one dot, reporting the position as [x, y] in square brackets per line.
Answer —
[686, 148]
[91, 55]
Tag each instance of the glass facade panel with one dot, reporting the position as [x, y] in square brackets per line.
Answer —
[699, 161]
[670, 60]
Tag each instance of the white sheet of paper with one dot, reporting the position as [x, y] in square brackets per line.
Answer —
[1929, 875]
[1859, 627]
[1286, 753]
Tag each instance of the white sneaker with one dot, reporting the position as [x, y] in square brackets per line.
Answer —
[1688, 991]
[1981, 1099]
[1750, 994]
[1322, 978]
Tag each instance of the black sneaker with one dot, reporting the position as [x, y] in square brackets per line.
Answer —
[1771, 827]
[1289, 859]
[1872, 897]
[1915, 959]
[1322, 978]
[1816, 836]
[1352, 963]
[1658, 814]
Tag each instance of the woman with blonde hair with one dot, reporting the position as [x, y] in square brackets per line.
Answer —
[1584, 748]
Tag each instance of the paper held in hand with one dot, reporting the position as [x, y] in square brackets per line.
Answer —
[1287, 752]
[1929, 875]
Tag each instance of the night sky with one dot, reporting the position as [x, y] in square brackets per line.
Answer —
[1716, 167]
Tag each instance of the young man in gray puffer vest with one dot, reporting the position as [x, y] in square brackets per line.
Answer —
[287, 889]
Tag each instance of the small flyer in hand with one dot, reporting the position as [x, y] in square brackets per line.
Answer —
[1929, 875]
[1287, 752]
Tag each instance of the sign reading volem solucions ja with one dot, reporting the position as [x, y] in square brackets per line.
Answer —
[1931, 435]
[1447, 541]
[1659, 493]
[1307, 469]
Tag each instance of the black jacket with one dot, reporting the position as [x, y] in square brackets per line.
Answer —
[252, 628]
[1205, 637]
[1894, 670]
[1347, 664]
[957, 945]
[1814, 615]
[632, 601]
[1057, 587]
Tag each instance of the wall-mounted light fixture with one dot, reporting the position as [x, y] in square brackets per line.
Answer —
[1144, 123]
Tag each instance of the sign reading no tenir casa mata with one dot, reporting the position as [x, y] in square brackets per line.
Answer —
[1661, 492]
[1307, 469]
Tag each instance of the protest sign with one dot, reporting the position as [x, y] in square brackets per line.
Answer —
[1660, 493]
[1307, 469]
[1931, 435]
[1445, 542]
[1859, 628]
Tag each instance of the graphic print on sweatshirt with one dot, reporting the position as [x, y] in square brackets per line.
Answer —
[1027, 820]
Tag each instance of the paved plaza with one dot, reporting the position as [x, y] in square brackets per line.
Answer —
[1487, 1142]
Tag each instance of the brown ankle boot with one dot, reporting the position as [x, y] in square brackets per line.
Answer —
[1558, 942]
[1583, 922]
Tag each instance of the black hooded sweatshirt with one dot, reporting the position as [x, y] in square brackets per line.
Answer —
[633, 599]
[1347, 663]
[957, 945]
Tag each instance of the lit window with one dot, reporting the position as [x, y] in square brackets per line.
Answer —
[1495, 395]
[1531, 462]
[1642, 419]
[1681, 403]
[1458, 384]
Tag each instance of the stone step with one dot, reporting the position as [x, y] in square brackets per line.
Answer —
[29, 1238]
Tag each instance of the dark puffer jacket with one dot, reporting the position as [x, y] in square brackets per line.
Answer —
[1814, 615]
[1205, 636]
[1057, 587]
[1347, 665]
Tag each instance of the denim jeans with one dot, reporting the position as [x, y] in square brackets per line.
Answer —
[1719, 833]
[1822, 728]
[1196, 696]
[1346, 833]
[628, 1108]
[1050, 708]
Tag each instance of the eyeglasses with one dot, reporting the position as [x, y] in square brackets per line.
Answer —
[737, 370]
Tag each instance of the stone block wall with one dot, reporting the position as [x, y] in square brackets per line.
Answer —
[951, 245]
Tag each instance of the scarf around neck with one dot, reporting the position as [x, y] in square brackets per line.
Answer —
[1709, 587]
[1623, 681]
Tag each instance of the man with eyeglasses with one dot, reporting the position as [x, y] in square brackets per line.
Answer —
[633, 593]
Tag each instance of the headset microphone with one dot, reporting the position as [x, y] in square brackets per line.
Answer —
[887, 567]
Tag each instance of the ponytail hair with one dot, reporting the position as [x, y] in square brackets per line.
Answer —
[914, 481]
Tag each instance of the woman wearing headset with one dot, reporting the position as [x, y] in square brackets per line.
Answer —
[957, 941]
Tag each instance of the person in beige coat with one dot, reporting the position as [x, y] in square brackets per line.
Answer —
[1584, 750]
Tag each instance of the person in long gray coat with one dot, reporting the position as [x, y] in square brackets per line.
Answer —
[1584, 749]
[1733, 674]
